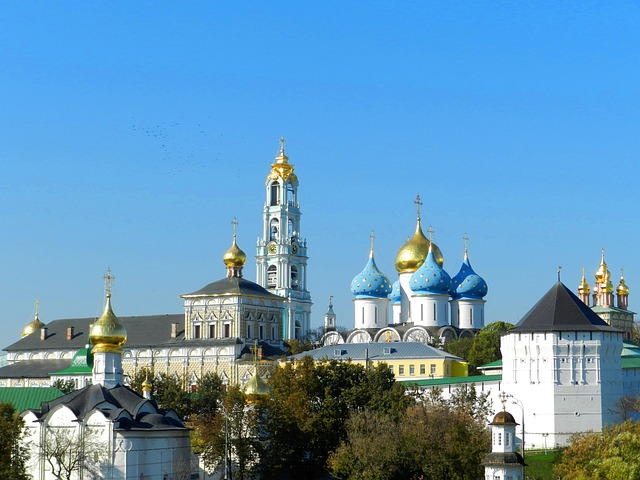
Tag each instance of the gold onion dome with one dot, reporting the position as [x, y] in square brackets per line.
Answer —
[107, 334]
[234, 257]
[584, 286]
[146, 385]
[256, 386]
[414, 252]
[32, 326]
[622, 289]
[282, 169]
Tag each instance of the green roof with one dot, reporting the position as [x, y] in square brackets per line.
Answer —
[27, 398]
[452, 380]
[82, 363]
[497, 363]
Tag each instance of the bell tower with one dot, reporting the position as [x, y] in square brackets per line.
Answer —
[281, 253]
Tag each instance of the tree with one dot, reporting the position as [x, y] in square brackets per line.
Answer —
[307, 411]
[237, 420]
[13, 453]
[460, 348]
[486, 344]
[65, 386]
[613, 454]
[70, 454]
[436, 439]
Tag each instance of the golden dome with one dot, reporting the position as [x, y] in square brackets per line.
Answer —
[413, 253]
[282, 169]
[603, 272]
[234, 257]
[146, 385]
[256, 386]
[622, 289]
[107, 334]
[32, 326]
[584, 286]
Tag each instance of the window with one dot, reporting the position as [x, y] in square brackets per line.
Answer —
[248, 331]
[261, 336]
[274, 193]
[401, 370]
[273, 333]
[507, 439]
[432, 370]
[412, 370]
[273, 229]
[212, 331]
[423, 369]
[391, 368]
[272, 276]
[499, 438]
[196, 331]
[294, 277]
[227, 330]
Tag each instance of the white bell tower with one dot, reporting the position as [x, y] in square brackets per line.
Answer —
[281, 254]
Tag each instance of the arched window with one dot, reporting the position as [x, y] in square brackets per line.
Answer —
[294, 277]
[290, 231]
[290, 193]
[274, 193]
[272, 276]
[298, 329]
[273, 229]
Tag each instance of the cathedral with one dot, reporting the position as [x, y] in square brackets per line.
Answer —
[225, 325]
[427, 304]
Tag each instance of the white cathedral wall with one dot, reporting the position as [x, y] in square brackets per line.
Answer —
[467, 313]
[371, 312]
[405, 297]
[430, 310]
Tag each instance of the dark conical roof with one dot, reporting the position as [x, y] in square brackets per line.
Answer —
[561, 310]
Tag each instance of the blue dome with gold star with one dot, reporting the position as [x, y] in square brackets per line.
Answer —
[395, 295]
[370, 282]
[467, 283]
[430, 277]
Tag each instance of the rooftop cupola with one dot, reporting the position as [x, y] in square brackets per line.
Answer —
[234, 258]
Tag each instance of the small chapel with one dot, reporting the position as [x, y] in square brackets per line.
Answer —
[106, 430]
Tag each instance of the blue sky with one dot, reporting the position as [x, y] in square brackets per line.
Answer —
[132, 133]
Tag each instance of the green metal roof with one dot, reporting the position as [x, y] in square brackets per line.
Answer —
[452, 380]
[497, 363]
[27, 398]
[82, 363]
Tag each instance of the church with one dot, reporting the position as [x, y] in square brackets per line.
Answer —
[427, 304]
[222, 321]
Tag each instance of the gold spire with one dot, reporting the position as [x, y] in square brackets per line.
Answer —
[414, 252]
[107, 335]
[34, 324]
[282, 169]
[234, 258]
[603, 276]
[622, 289]
[584, 287]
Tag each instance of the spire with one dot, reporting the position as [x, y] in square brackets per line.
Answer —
[281, 169]
[372, 238]
[234, 258]
[146, 387]
[465, 239]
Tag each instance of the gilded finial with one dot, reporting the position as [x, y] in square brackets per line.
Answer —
[108, 280]
[418, 204]
[282, 142]
[37, 304]
[503, 399]
[584, 287]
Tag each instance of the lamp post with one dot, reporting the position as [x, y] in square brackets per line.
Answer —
[545, 435]
[227, 458]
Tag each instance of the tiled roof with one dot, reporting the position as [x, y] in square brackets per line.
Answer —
[452, 380]
[561, 310]
[376, 351]
[33, 368]
[142, 331]
[25, 398]
[233, 286]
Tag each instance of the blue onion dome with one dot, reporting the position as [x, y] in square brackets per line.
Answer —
[430, 277]
[467, 283]
[371, 282]
[395, 295]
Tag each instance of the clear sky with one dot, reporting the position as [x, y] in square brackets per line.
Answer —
[131, 134]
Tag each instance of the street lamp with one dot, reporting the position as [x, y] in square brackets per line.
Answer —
[545, 435]
[227, 458]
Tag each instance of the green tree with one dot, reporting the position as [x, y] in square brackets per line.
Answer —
[613, 454]
[435, 439]
[308, 409]
[13, 453]
[65, 386]
[486, 344]
[460, 348]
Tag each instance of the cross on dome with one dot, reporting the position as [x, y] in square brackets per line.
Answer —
[108, 280]
[418, 204]
[234, 222]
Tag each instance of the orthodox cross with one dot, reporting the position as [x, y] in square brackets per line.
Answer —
[418, 204]
[372, 238]
[430, 231]
[37, 304]
[466, 242]
[235, 226]
[330, 300]
[559, 269]
[108, 280]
